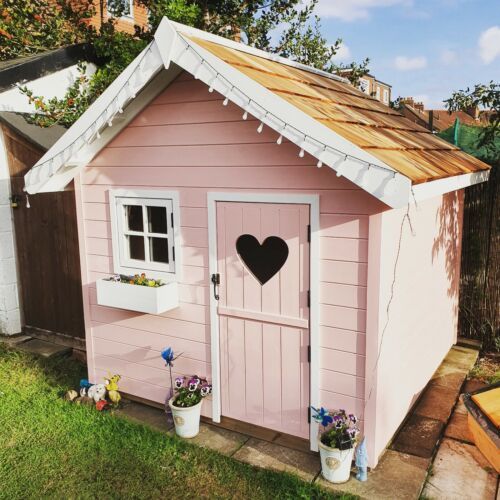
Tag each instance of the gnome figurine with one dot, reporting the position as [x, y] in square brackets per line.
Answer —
[362, 462]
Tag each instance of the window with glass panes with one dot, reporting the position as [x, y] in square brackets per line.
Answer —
[145, 233]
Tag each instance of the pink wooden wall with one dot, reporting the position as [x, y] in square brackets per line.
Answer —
[187, 141]
[422, 324]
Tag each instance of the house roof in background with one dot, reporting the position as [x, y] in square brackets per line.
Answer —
[360, 138]
[443, 119]
[35, 66]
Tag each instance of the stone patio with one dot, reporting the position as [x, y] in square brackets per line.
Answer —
[402, 470]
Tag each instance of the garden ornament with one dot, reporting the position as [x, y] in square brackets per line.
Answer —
[112, 388]
[362, 461]
[85, 385]
[97, 392]
[71, 395]
[84, 400]
[101, 405]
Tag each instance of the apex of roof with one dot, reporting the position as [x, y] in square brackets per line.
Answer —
[361, 139]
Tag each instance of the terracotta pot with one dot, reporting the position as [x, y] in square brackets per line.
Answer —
[186, 420]
[335, 463]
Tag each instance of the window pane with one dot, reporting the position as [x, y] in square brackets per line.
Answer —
[119, 7]
[134, 217]
[158, 249]
[136, 247]
[157, 220]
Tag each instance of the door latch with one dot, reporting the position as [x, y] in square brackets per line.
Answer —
[216, 282]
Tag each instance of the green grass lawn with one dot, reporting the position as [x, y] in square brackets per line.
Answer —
[51, 448]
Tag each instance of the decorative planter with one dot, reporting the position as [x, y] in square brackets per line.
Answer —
[186, 420]
[151, 300]
[335, 463]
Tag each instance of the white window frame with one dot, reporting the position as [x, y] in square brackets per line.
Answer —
[377, 93]
[129, 16]
[386, 96]
[122, 263]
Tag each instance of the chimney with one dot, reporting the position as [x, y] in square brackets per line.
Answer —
[408, 101]
[431, 120]
[419, 106]
[473, 111]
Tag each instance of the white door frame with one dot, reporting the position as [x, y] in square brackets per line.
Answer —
[301, 199]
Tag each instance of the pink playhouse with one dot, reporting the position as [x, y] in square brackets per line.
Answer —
[308, 234]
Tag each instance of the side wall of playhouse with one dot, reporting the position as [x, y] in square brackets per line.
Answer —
[187, 141]
[412, 306]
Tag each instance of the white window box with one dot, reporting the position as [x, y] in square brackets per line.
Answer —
[151, 300]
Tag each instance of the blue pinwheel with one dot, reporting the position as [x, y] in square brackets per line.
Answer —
[168, 355]
[322, 416]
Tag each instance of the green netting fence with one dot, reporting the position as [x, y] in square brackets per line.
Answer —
[479, 308]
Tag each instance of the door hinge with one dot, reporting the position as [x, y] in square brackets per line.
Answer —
[308, 353]
[309, 233]
[308, 414]
[308, 298]
[172, 218]
[173, 254]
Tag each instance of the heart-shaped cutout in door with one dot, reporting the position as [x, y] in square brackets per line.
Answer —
[265, 260]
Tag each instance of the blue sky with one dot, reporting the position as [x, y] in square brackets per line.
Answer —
[423, 48]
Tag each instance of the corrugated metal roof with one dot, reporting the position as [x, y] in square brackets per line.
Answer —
[405, 146]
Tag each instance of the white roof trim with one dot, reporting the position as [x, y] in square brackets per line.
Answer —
[225, 42]
[441, 186]
[79, 145]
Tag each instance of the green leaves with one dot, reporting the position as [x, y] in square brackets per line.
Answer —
[285, 27]
[487, 97]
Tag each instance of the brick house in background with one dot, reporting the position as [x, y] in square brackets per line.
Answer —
[373, 87]
[440, 119]
[133, 14]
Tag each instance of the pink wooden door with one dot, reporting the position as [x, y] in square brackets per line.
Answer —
[264, 328]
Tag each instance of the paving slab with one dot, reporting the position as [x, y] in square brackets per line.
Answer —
[473, 385]
[462, 357]
[43, 348]
[14, 341]
[419, 436]
[458, 428]
[147, 415]
[460, 472]
[398, 476]
[437, 402]
[273, 456]
[449, 379]
[216, 438]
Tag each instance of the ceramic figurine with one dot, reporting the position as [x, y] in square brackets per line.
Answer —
[85, 385]
[362, 461]
[101, 405]
[112, 388]
[71, 395]
[97, 392]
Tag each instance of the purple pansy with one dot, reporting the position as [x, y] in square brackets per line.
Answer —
[193, 384]
[179, 382]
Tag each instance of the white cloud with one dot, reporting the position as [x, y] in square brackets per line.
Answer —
[404, 63]
[351, 10]
[449, 57]
[343, 54]
[489, 44]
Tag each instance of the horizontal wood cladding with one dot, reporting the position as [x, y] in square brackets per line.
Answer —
[186, 141]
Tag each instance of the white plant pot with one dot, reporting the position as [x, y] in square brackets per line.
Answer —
[152, 300]
[335, 463]
[186, 420]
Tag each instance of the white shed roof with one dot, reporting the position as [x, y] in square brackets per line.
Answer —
[389, 176]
